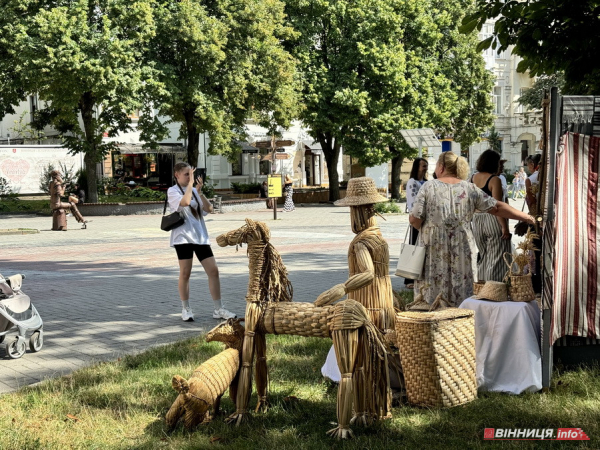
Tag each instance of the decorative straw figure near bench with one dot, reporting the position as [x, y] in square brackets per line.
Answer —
[204, 389]
[520, 283]
[359, 345]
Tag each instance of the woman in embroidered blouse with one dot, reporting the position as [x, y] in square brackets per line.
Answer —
[418, 176]
[443, 212]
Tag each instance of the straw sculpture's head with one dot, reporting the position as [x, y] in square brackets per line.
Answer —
[362, 217]
[230, 332]
[252, 231]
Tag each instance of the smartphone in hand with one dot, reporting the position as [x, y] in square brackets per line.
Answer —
[200, 173]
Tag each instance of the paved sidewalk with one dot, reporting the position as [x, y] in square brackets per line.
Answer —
[112, 289]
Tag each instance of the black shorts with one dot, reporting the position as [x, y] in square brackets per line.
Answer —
[186, 251]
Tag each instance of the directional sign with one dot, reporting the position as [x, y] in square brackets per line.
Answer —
[274, 186]
[267, 144]
[262, 144]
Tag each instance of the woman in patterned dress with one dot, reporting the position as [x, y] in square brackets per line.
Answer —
[418, 176]
[288, 190]
[443, 212]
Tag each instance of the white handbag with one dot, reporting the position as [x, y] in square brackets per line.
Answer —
[411, 260]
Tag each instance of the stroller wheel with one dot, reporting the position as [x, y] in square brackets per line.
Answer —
[16, 348]
[36, 341]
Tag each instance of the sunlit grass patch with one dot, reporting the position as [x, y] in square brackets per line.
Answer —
[122, 404]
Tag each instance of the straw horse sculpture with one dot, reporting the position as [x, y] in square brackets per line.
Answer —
[359, 345]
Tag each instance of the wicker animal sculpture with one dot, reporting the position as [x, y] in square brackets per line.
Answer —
[210, 380]
[359, 345]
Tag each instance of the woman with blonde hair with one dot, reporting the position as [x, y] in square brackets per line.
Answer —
[443, 212]
[192, 238]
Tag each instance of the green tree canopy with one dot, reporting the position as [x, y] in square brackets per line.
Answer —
[532, 97]
[84, 59]
[550, 36]
[373, 68]
[219, 63]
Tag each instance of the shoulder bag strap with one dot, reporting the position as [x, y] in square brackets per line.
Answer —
[166, 200]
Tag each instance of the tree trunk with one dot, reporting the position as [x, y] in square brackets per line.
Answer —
[193, 139]
[331, 150]
[396, 170]
[90, 159]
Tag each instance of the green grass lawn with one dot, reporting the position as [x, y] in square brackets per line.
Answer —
[122, 404]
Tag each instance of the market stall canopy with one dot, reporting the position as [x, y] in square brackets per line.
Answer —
[269, 157]
[137, 149]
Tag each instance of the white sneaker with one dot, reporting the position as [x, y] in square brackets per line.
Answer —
[187, 315]
[222, 313]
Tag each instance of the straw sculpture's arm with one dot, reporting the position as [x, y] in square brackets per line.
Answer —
[365, 275]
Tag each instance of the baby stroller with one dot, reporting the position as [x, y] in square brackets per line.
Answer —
[17, 311]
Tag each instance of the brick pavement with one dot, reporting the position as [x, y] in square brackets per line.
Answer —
[112, 289]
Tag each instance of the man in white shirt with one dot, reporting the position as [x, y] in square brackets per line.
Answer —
[503, 180]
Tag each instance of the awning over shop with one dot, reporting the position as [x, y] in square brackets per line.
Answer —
[313, 146]
[138, 149]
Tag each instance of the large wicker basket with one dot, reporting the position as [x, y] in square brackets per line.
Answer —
[438, 356]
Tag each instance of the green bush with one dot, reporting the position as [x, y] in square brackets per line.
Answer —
[388, 207]
[245, 188]
[68, 176]
[148, 193]
[5, 188]
[208, 188]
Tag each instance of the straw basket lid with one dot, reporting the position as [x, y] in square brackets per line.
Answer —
[433, 316]
[361, 191]
[495, 291]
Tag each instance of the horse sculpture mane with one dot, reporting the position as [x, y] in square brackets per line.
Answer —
[268, 282]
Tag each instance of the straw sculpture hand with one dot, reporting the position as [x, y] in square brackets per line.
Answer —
[331, 295]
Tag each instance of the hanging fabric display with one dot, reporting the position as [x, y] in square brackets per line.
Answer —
[577, 234]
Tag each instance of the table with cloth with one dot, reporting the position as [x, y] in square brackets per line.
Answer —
[507, 345]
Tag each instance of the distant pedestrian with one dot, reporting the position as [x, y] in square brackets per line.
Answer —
[288, 191]
[503, 180]
[263, 192]
[192, 238]
[80, 193]
[418, 176]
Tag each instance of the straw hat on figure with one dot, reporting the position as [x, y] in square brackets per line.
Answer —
[368, 260]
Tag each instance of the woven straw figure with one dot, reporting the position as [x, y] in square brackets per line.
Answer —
[360, 347]
[368, 257]
[210, 380]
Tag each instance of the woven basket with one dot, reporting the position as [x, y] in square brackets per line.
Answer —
[477, 287]
[521, 288]
[438, 356]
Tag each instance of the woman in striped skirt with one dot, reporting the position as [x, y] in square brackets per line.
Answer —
[491, 232]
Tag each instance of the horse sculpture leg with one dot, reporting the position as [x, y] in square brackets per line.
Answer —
[262, 373]
[253, 312]
[346, 349]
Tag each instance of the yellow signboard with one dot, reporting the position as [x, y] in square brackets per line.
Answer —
[274, 183]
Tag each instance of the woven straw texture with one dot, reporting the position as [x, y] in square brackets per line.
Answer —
[438, 356]
[521, 288]
[495, 291]
[361, 191]
[207, 384]
[368, 252]
[477, 287]
[298, 319]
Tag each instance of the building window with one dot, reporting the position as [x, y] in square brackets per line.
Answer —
[237, 166]
[524, 151]
[521, 108]
[498, 100]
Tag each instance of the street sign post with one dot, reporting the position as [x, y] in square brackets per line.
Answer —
[274, 184]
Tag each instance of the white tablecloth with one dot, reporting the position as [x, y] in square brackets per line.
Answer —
[507, 345]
